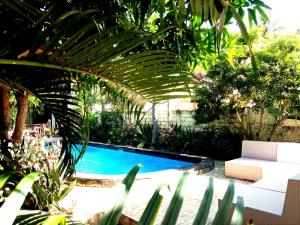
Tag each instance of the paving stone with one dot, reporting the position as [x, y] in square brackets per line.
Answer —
[88, 201]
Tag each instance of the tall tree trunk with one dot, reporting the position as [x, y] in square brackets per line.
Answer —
[154, 128]
[22, 104]
[4, 113]
[274, 127]
[261, 118]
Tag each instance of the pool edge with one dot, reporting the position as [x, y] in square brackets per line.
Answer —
[200, 165]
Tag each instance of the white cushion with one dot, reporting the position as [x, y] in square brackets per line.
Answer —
[260, 199]
[280, 169]
[242, 168]
[259, 150]
[274, 175]
[288, 152]
[274, 183]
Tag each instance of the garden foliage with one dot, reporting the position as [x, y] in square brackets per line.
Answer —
[217, 142]
[255, 105]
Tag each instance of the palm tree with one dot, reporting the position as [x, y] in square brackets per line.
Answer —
[57, 47]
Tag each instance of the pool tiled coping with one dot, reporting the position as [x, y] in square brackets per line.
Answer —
[201, 165]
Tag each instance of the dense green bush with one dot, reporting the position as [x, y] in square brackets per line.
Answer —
[129, 136]
[106, 126]
[171, 137]
[212, 141]
[208, 140]
[49, 187]
[94, 126]
[144, 134]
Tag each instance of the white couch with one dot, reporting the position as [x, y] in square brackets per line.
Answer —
[274, 197]
[265, 160]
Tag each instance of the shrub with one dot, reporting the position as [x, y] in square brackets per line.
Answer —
[114, 135]
[129, 135]
[217, 142]
[208, 140]
[48, 188]
[171, 138]
[213, 141]
[104, 126]
[144, 134]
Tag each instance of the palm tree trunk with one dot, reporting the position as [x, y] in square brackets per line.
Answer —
[4, 113]
[22, 104]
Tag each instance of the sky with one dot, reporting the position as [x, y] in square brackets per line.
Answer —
[285, 13]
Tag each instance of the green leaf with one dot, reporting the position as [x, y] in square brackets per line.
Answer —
[214, 13]
[199, 9]
[223, 211]
[3, 178]
[246, 37]
[173, 210]
[14, 201]
[181, 13]
[250, 20]
[262, 13]
[112, 217]
[19, 8]
[241, 12]
[262, 4]
[205, 9]
[203, 211]
[66, 190]
[55, 220]
[220, 27]
[252, 15]
[31, 219]
[238, 214]
[150, 212]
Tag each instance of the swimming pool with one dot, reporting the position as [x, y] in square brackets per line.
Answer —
[99, 160]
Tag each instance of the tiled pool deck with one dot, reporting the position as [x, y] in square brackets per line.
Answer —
[88, 201]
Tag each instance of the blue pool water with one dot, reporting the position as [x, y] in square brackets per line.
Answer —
[98, 160]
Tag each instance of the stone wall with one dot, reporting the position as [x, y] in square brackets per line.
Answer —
[181, 117]
[289, 131]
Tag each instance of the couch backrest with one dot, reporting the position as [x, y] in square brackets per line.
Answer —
[288, 152]
[259, 150]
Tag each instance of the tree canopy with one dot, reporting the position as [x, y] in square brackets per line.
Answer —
[245, 100]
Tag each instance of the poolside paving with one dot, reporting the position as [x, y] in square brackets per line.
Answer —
[87, 201]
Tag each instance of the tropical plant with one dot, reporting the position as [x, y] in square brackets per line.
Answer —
[254, 106]
[144, 134]
[129, 135]
[216, 142]
[51, 187]
[170, 137]
[8, 211]
[57, 41]
[149, 215]
[197, 28]
[51, 184]
[209, 140]
[13, 203]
